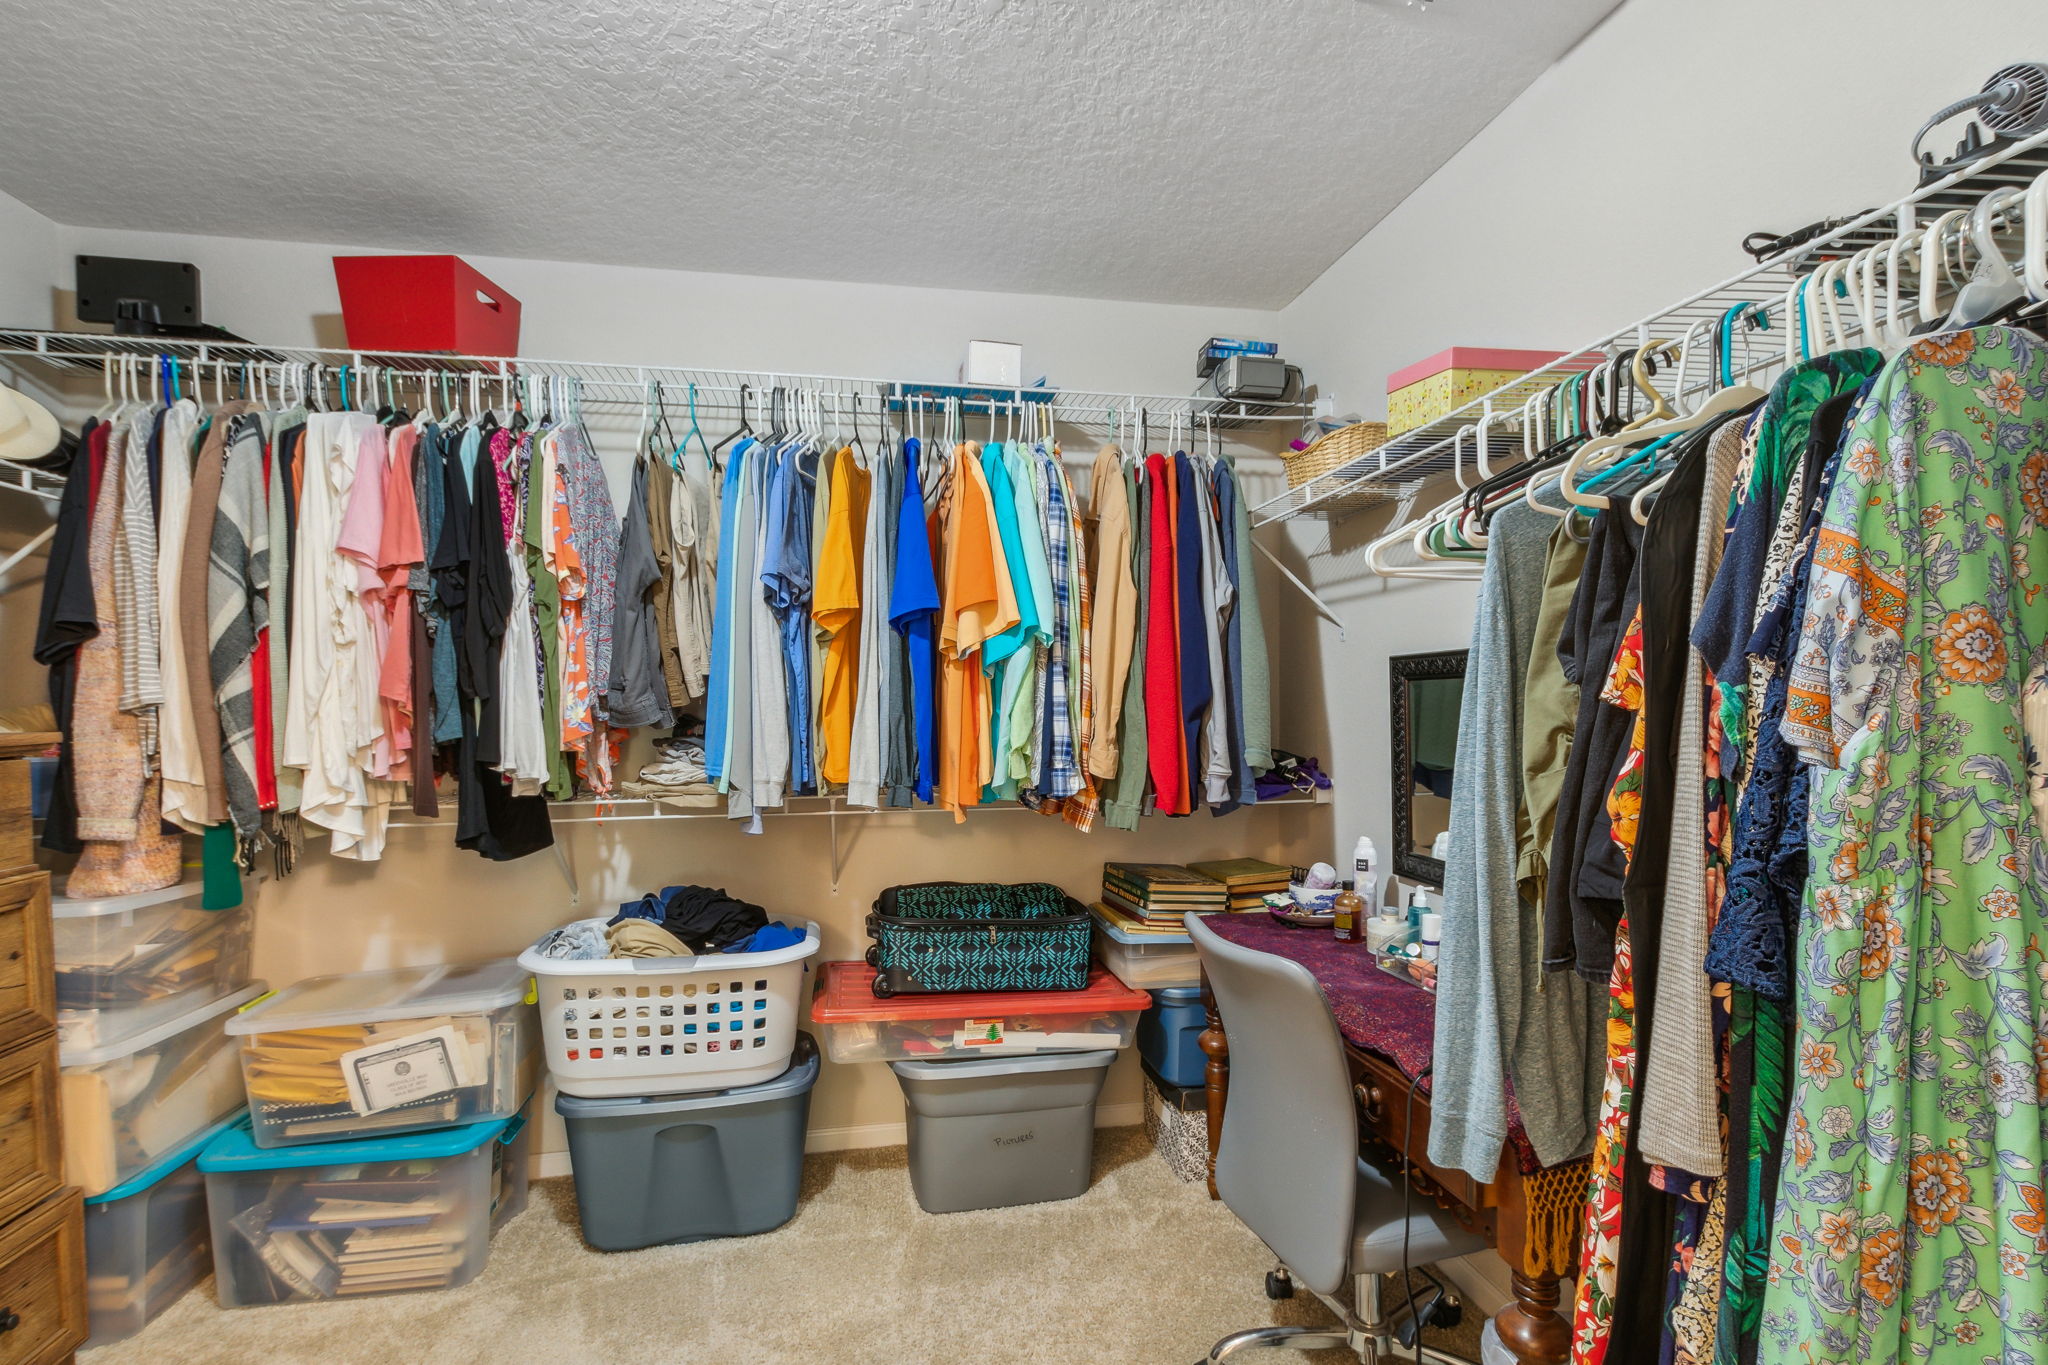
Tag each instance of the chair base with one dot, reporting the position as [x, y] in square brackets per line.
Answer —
[1365, 1331]
[1293, 1338]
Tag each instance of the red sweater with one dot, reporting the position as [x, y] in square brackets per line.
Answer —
[1165, 742]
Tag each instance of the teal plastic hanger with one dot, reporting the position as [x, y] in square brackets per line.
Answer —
[1635, 459]
[675, 458]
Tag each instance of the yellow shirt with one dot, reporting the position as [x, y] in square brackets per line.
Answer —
[836, 607]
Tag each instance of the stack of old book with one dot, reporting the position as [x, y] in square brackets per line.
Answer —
[1156, 898]
[1247, 880]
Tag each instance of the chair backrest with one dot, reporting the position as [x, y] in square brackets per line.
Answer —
[1288, 1162]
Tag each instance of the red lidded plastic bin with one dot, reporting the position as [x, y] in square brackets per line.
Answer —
[424, 303]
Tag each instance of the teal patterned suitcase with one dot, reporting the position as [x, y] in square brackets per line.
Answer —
[978, 936]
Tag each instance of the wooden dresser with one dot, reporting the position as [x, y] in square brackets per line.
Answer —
[42, 1232]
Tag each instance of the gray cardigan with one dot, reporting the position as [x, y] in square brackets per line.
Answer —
[1505, 1019]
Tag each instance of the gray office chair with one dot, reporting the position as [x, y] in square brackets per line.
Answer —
[1288, 1165]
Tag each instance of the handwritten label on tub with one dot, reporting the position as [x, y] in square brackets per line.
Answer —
[417, 1066]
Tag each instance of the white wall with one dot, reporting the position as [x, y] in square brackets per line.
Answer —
[284, 292]
[429, 902]
[30, 256]
[1622, 180]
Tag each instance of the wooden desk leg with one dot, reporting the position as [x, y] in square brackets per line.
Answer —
[1216, 1075]
[1531, 1327]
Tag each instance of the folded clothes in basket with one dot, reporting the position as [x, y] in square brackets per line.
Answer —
[707, 919]
[572, 942]
[640, 938]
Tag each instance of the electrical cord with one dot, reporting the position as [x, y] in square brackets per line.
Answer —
[1407, 1199]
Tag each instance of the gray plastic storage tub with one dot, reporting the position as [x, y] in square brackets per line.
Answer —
[997, 1131]
[684, 1168]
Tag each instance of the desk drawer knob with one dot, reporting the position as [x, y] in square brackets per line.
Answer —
[1370, 1099]
[9, 1319]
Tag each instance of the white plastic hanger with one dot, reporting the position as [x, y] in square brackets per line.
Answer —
[2034, 237]
[1934, 263]
[1892, 331]
[1992, 284]
[2033, 207]
[1403, 533]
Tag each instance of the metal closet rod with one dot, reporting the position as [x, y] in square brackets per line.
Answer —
[1431, 449]
[595, 806]
[632, 382]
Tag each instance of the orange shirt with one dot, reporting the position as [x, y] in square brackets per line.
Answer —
[976, 603]
[836, 607]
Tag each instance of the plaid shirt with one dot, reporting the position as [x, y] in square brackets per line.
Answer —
[1069, 794]
[1062, 774]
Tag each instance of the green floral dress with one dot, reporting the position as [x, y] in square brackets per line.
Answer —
[1909, 1223]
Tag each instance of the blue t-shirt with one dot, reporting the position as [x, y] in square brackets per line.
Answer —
[786, 579]
[913, 603]
[717, 699]
[1004, 497]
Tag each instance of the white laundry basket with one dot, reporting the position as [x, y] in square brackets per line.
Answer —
[657, 1025]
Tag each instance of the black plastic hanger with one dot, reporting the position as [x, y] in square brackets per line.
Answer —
[745, 427]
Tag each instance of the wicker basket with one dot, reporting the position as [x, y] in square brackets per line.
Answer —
[1333, 450]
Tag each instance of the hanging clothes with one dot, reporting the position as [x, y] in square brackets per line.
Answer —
[837, 608]
[68, 618]
[123, 849]
[1488, 959]
[1918, 1098]
[1113, 629]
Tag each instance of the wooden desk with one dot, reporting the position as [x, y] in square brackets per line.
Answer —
[1531, 1218]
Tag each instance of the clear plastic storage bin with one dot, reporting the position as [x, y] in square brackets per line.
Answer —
[134, 1099]
[126, 963]
[1149, 962]
[859, 1028]
[338, 1220]
[377, 1053]
[1401, 957]
[146, 1242]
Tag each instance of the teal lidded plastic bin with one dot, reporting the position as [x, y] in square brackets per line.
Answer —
[146, 1241]
[336, 1220]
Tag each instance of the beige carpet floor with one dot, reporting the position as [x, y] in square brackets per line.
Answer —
[1142, 1270]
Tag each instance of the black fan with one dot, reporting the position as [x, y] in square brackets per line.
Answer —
[2012, 105]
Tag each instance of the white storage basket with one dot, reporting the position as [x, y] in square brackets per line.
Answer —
[657, 1025]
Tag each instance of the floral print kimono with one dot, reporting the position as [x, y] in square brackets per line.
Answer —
[1600, 1236]
[1910, 1222]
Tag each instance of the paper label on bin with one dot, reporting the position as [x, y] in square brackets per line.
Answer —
[417, 1066]
[979, 1033]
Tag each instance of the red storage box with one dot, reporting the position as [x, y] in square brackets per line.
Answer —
[424, 303]
[857, 1027]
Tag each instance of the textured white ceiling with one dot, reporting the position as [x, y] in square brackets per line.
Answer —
[1200, 151]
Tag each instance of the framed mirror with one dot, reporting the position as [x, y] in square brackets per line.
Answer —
[1426, 692]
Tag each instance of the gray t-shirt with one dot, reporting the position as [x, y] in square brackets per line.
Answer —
[637, 691]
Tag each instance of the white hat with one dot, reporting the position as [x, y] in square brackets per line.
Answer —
[28, 431]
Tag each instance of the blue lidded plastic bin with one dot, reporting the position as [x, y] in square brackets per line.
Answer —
[362, 1216]
[146, 1242]
[1170, 1034]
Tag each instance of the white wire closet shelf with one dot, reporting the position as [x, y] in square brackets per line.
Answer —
[1398, 469]
[228, 365]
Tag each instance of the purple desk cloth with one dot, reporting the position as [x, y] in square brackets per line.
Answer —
[1392, 1019]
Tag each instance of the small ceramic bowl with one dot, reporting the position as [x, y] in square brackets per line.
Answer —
[1317, 900]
